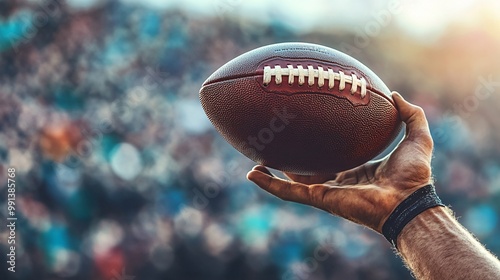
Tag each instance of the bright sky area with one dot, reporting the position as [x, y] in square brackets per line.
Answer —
[422, 18]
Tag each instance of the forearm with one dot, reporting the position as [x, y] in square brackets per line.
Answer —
[435, 246]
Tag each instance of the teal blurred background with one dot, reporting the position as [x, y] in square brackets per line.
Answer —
[121, 175]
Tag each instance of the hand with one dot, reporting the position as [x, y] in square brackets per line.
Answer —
[367, 194]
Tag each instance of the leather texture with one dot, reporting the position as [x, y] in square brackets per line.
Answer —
[300, 129]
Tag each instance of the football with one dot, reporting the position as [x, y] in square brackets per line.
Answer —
[301, 108]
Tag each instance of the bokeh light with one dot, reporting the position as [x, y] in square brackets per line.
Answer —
[481, 220]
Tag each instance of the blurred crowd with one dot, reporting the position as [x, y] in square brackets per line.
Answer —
[119, 174]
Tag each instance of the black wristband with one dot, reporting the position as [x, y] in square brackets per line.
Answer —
[419, 201]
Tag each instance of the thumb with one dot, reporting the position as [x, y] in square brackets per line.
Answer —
[417, 128]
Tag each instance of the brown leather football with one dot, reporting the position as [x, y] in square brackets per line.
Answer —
[301, 108]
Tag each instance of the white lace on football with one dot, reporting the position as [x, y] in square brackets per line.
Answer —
[311, 73]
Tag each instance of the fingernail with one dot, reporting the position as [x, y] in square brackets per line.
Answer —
[396, 94]
[248, 176]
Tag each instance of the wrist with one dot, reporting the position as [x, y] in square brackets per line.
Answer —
[423, 223]
[393, 199]
[416, 203]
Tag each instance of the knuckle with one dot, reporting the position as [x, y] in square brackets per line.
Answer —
[418, 111]
[428, 141]
[422, 139]
[316, 194]
[425, 139]
[422, 171]
[284, 195]
[293, 193]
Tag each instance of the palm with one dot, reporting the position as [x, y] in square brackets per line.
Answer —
[407, 168]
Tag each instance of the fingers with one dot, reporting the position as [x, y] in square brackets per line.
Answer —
[411, 114]
[263, 169]
[358, 203]
[310, 179]
[284, 189]
[417, 127]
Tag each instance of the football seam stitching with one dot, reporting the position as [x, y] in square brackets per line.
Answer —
[312, 73]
